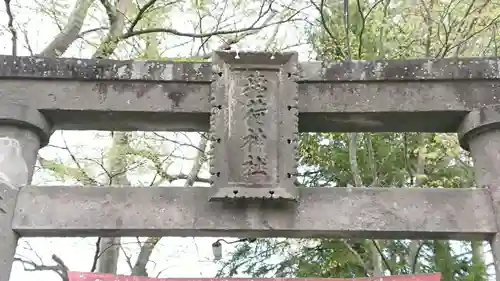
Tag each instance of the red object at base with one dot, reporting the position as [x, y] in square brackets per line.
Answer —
[82, 276]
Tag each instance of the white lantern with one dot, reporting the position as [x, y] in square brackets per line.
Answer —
[217, 250]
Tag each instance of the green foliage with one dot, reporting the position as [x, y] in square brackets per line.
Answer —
[383, 30]
[387, 159]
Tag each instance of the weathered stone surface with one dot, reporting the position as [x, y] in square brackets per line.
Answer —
[23, 130]
[413, 95]
[103, 69]
[114, 105]
[337, 105]
[368, 96]
[8, 238]
[386, 213]
[322, 107]
[165, 70]
[16, 115]
[254, 125]
[479, 121]
[403, 70]
[480, 133]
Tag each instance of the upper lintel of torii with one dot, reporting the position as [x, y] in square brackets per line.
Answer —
[174, 95]
[201, 71]
[459, 95]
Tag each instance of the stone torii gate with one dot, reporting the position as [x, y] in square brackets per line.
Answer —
[254, 104]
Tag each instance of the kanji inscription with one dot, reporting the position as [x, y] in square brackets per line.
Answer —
[254, 93]
[254, 125]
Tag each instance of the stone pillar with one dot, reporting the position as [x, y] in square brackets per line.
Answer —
[479, 133]
[23, 131]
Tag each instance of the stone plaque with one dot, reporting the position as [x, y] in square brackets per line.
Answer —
[254, 125]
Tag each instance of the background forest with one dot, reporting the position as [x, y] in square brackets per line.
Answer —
[320, 30]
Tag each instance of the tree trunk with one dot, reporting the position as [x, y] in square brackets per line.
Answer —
[70, 32]
[443, 259]
[117, 167]
[419, 176]
[110, 246]
[477, 271]
[117, 25]
[108, 260]
[378, 269]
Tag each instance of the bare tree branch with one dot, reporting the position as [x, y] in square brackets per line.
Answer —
[96, 254]
[143, 10]
[28, 45]
[10, 26]
[86, 178]
[83, 33]
[60, 268]
[59, 262]
[127, 258]
[202, 35]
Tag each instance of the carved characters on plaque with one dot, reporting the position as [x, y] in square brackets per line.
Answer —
[253, 118]
[255, 165]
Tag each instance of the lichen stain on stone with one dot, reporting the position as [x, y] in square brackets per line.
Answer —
[140, 89]
[189, 71]
[416, 69]
[177, 97]
[378, 70]
[462, 92]
[483, 116]
[102, 90]
[123, 71]
[160, 71]
[186, 71]
[145, 70]
[496, 108]
[84, 69]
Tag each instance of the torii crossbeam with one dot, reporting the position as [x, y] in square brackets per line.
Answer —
[253, 104]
